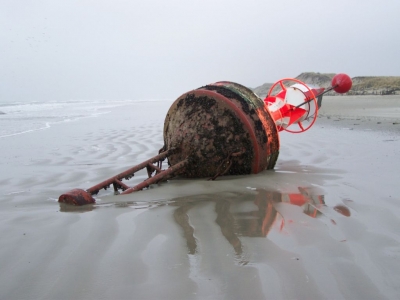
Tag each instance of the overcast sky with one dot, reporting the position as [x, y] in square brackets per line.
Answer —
[129, 49]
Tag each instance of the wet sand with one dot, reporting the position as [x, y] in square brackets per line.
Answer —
[322, 225]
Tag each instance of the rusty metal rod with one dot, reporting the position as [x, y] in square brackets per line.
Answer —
[129, 173]
[121, 184]
[320, 94]
[157, 177]
[151, 168]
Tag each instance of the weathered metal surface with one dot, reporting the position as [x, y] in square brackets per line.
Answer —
[76, 197]
[258, 112]
[117, 179]
[219, 129]
[82, 197]
[160, 176]
[224, 129]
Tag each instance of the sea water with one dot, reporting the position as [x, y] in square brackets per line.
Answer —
[24, 117]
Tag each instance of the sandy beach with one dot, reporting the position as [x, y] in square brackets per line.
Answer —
[323, 225]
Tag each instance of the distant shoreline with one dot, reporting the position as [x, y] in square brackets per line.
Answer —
[362, 85]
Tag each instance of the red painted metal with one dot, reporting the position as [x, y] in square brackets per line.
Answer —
[289, 111]
[76, 197]
[341, 83]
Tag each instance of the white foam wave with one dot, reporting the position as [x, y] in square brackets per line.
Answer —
[22, 118]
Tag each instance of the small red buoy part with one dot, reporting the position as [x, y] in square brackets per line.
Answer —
[76, 197]
[341, 83]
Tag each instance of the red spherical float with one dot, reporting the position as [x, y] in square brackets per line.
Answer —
[341, 83]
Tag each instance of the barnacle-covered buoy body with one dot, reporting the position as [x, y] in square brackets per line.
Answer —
[224, 129]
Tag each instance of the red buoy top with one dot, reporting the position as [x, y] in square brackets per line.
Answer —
[341, 83]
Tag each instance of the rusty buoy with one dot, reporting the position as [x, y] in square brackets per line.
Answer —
[224, 128]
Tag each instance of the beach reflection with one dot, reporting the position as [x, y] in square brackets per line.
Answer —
[250, 215]
[76, 209]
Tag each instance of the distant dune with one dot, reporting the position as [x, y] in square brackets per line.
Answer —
[362, 85]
